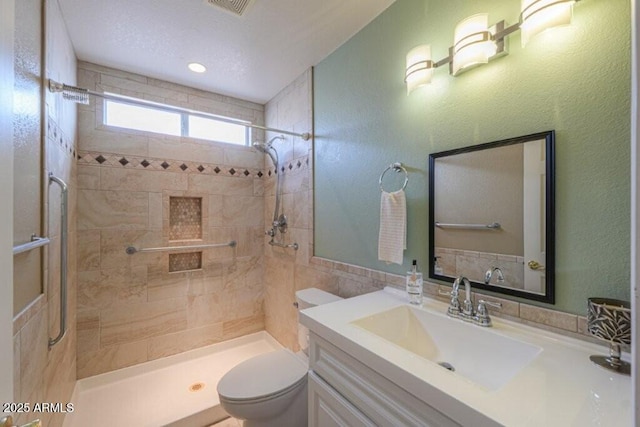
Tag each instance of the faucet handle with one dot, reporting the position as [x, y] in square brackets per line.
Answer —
[454, 305]
[483, 303]
[482, 315]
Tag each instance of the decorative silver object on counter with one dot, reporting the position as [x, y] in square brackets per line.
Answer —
[610, 320]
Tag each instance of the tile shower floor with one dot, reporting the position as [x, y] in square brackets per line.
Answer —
[176, 391]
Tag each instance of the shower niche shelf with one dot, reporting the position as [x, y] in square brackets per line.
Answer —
[185, 218]
[185, 262]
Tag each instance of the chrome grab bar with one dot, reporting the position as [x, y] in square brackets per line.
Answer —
[295, 246]
[132, 249]
[63, 258]
[492, 226]
[35, 242]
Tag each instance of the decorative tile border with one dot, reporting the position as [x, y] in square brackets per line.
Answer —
[179, 166]
[55, 134]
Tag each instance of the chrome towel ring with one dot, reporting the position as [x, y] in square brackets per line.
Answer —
[398, 168]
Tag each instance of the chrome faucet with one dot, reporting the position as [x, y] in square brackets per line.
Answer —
[467, 304]
[489, 274]
[467, 312]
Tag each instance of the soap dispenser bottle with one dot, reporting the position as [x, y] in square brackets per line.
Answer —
[414, 284]
[436, 267]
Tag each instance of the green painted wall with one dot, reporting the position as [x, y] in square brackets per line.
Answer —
[575, 80]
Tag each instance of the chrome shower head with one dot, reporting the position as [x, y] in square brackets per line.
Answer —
[267, 149]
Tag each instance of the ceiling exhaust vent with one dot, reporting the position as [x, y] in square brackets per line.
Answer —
[237, 7]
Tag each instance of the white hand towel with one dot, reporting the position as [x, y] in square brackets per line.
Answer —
[392, 240]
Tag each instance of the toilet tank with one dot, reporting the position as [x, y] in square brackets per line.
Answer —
[307, 298]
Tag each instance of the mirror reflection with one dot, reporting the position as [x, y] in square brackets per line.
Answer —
[492, 216]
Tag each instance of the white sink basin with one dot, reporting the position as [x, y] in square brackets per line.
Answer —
[481, 355]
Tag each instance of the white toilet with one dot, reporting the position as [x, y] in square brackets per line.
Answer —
[270, 390]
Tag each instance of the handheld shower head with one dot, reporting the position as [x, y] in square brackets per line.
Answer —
[266, 148]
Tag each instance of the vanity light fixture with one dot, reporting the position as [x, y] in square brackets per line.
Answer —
[475, 43]
[419, 67]
[540, 15]
[196, 67]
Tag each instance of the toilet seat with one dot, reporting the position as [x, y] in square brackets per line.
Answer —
[263, 377]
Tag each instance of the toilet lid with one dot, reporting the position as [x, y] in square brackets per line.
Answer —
[261, 376]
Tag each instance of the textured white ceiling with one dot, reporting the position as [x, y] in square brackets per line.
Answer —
[251, 57]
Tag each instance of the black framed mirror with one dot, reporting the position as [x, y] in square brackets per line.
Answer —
[492, 217]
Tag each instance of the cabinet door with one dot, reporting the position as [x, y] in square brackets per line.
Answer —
[327, 408]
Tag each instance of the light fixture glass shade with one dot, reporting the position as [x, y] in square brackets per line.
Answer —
[472, 43]
[540, 15]
[419, 67]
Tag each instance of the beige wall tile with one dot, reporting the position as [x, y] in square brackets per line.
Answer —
[244, 157]
[249, 241]
[548, 317]
[113, 209]
[34, 340]
[242, 211]
[243, 272]
[117, 142]
[203, 310]
[113, 244]
[112, 287]
[186, 149]
[140, 321]
[213, 184]
[88, 249]
[164, 285]
[155, 211]
[88, 329]
[108, 359]
[167, 345]
[88, 177]
[239, 327]
[141, 180]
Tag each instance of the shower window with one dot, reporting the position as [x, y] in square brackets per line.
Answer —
[141, 118]
[176, 123]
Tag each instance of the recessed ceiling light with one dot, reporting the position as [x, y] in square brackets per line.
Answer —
[197, 67]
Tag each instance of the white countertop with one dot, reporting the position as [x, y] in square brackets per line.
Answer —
[560, 387]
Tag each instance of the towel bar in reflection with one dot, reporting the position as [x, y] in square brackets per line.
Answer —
[492, 226]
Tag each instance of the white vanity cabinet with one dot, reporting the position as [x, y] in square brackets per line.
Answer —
[345, 392]
[362, 375]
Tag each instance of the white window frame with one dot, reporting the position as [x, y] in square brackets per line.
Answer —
[184, 119]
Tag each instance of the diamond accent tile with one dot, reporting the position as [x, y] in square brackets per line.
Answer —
[246, 173]
[290, 166]
[260, 174]
[145, 163]
[232, 171]
[100, 159]
[217, 170]
[123, 161]
[183, 167]
[165, 165]
[298, 164]
[201, 168]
